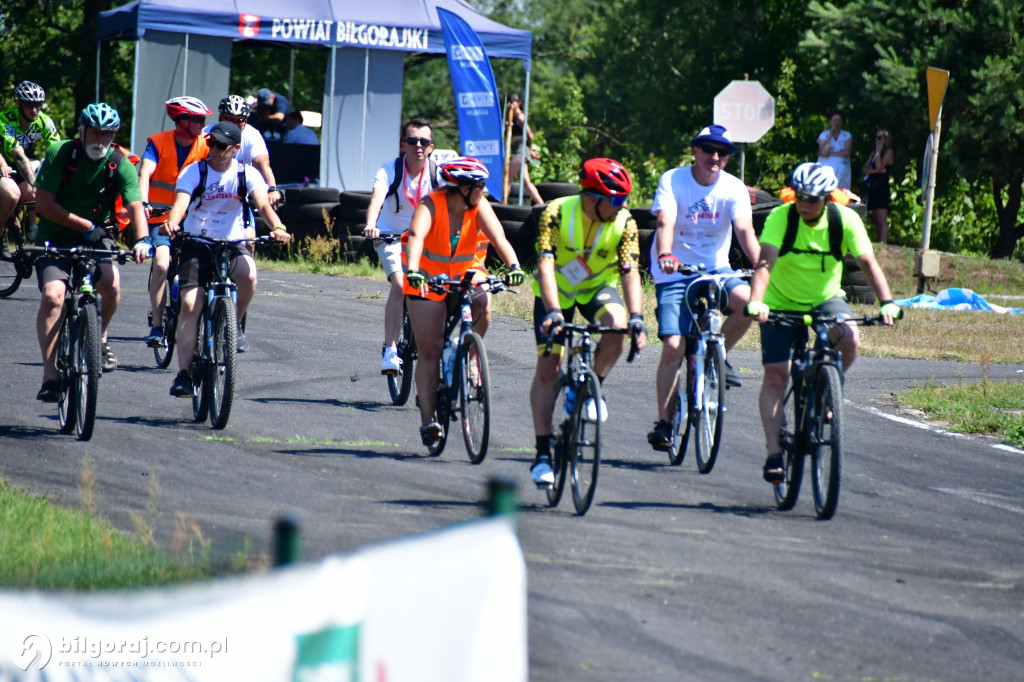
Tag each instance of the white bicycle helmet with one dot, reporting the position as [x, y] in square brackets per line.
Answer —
[233, 105]
[186, 106]
[27, 91]
[813, 180]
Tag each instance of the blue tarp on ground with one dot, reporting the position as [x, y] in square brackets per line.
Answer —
[955, 299]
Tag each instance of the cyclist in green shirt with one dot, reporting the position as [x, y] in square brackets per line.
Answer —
[804, 277]
[75, 192]
[27, 134]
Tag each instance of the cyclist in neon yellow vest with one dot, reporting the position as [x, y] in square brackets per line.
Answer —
[587, 245]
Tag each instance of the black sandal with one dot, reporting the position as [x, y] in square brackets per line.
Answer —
[775, 469]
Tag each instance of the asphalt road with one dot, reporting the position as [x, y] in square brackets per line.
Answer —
[671, 575]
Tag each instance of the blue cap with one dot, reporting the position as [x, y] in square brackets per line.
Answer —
[263, 96]
[715, 133]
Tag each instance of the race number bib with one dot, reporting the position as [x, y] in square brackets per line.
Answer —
[576, 271]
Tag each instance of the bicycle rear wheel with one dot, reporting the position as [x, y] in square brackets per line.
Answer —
[400, 383]
[474, 396]
[787, 492]
[87, 371]
[825, 439]
[584, 443]
[67, 351]
[708, 428]
[442, 414]
[222, 367]
[200, 373]
[10, 273]
[559, 441]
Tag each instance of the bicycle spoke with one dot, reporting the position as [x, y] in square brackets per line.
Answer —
[826, 441]
[88, 370]
[222, 367]
[474, 396]
[709, 416]
[584, 445]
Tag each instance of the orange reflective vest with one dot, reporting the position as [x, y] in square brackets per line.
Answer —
[165, 175]
[120, 212]
[437, 256]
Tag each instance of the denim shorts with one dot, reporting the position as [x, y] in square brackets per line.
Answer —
[157, 238]
[674, 318]
[777, 341]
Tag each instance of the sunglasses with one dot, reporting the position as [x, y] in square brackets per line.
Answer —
[196, 119]
[237, 120]
[479, 184]
[418, 141]
[618, 201]
[219, 146]
[808, 198]
[712, 149]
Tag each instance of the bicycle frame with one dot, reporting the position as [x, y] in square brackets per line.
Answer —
[804, 369]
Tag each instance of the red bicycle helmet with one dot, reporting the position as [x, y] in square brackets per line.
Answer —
[463, 171]
[186, 106]
[606, 177]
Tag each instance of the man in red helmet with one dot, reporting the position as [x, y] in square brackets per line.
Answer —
[587, 244]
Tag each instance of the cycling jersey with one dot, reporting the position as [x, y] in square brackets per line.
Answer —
[14, 135]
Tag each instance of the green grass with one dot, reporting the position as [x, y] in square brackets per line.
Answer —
[987, 407]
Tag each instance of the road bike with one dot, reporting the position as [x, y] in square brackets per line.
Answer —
[215, 359]
[78, 360]
[15, 263]
[699, 401]
[464, 378]
[400, 382]
[576, 447]
[812, 411]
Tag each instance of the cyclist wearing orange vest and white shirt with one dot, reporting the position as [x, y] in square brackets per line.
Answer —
[448, 235]
[166, 154]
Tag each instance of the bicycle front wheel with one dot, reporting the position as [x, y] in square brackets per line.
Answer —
[400, 383]
[442, 414]
[584, 445]
[787, 492]
[222, 368]
[680, 410]
[200, 374]
[67, 352]
[88, 370]
[825, 438]
[169, 323]
[10, 273]
[474, 396]
[708, 434]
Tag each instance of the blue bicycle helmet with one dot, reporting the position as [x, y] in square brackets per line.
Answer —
[100, 115]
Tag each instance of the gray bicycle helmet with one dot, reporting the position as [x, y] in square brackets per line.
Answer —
[233, 105]
[813, 180]
[100, 115]
[27, 91]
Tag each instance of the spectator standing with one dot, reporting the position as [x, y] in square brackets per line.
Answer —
[521, 133]
[298, 133]
[876, 181]
[834, 149]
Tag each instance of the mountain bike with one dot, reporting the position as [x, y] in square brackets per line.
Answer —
[172, 306]
[400, 382]
[812, 422]
[576, 448]
[464, 377]
[214, 363]
[79, 367]
[15, 263]
[699, 402]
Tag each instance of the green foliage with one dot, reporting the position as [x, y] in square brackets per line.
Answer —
[986, 407]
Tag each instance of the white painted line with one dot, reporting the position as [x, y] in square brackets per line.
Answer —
[982, 498]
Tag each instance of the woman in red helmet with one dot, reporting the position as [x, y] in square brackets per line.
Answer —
[587, 244]
[449, 235]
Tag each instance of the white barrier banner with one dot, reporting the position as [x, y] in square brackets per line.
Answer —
[442, 607]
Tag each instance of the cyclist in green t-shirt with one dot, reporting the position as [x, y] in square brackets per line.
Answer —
[75, 194]
[805, 278]
[27, 134]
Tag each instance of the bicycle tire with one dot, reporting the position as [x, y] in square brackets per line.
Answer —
[708, 429]
[67, 412]
[169, 323]
[442, 414]
[223, 361]
[88, 370]
[10, 273]
[680, 419]
[559, 455]
[787, 492]
[826, 441]
[474, 396]
[400, 383]
[200, 362]
[585, 443]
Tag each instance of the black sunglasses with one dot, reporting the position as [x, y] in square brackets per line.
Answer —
[808, 198]
[214, 144]
[712, 149]
[479, 184]
[415, 141]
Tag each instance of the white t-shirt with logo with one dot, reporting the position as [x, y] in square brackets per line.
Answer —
[704, 217]
[252, 146]
[408, 194]
[218, 212]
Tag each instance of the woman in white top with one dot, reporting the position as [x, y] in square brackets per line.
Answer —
[834, 147]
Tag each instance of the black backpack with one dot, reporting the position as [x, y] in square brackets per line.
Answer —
[835, 234]
[243, 190]
[399, 174]
[109, 193]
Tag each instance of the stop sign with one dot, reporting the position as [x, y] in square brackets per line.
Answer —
[746, 109]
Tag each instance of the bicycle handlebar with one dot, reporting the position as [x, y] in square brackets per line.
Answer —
[701, 269]
[588, 329]
[441, 284]
[792, 319]
[121, 255]
[388, 237]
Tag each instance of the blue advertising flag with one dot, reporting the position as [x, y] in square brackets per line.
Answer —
[476, 97]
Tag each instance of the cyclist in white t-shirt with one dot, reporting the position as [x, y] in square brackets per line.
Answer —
[253, 149]
[391, 207]
[698, 209]
[217, 212]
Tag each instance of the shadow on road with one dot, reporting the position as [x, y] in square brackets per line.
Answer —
[364, 454]
[31, 431]
[748, 511]
[362, 405]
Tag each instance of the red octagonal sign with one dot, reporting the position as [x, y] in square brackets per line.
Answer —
[746, 109]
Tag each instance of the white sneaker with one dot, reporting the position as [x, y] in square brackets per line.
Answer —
[391, 362]
[592, 412]
[542, 474]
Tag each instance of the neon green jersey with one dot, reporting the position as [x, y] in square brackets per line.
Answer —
[41, 129]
